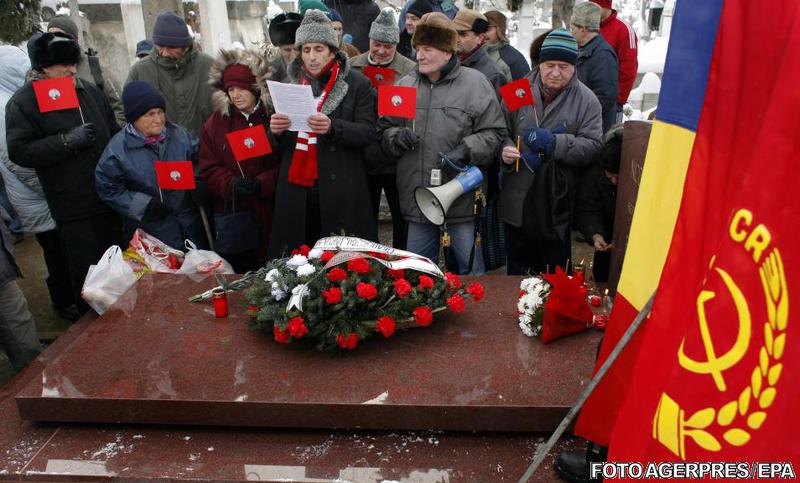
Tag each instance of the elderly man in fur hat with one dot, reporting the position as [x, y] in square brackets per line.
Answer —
[322, 186]
[241, 101]
[452, 123]
[383, 38]
[64, 147]
[281, 33]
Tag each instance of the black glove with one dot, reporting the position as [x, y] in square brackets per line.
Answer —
[406, 140]
[246, 187]
[200, 193]
[156, 210]
[458, 160]
[79, 137]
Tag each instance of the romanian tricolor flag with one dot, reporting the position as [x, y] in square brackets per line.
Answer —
[714, 373]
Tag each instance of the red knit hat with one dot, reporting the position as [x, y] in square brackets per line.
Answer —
[238, 75]
[603, 3]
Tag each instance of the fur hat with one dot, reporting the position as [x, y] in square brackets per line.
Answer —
[316, 27]
[420, 8]
[283, 27]
[586, 14]
[65, 24]
[559, 45]
[384, 28]
[171, 31]
[49, 49]
[435, 30]
[470, 20]
[499, 21]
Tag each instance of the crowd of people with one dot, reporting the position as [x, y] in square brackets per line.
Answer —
[84, 179]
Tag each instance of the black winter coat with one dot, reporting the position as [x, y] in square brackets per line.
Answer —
[597, 67]
[597, 198]
[357, 16]
[34, 141]
[343, 191]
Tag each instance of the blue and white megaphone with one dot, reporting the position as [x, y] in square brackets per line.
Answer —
[434, 202]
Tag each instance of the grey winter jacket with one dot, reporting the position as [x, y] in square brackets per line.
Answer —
[598, 69]
[459, 108]
[184, 84]
[22, 185]
[511, 58]
[577, 111]
[9, 270]
[481, 62]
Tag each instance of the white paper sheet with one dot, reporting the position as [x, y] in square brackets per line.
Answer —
[294, 100]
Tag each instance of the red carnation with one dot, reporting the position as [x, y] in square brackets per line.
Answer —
[385, 325]
[281, 336]
[333, 295]
[423, 315]
[452, 280]
[425, 282]
[366, 291]
[521, 294]
[359, 265]
[349, 341]
[303, 250]
[252, 311]
[337, 275]
[326, 257]
[396, 274]
[476, 290]
[402, 287]
[456, 303]
[297, 327]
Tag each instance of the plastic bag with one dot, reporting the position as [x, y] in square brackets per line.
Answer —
[156, 255]
[108, 280]
[203, 262]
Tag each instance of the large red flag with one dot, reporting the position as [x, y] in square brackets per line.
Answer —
[397, 101]
[379, 76]
[175, 175]
[251, 142]
[716, 377]
[55, 94]
[517, 94]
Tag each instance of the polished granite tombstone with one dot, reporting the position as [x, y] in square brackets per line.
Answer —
[156, 359]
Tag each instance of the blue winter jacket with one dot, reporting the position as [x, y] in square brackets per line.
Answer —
[126, 181]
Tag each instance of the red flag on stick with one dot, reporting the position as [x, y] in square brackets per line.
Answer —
[517, 94]
[175, 175]
[249, 143]
[397, 101]
[56, 94]
[379, 76]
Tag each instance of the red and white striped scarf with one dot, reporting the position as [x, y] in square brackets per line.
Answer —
[304, 171]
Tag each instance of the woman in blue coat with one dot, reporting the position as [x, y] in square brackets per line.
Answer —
[126, 175]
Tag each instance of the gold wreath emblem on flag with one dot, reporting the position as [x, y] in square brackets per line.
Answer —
[734, 421]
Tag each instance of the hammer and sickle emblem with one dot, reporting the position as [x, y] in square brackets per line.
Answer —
[54, 94]
[175, 175]
[249, 143]
[397, 100]
[715, 365]
[520, 93]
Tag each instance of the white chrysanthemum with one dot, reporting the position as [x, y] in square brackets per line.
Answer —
[305, 270]
[526, 329]
[314, 254]
[272, 275]
[277, 293]
[296, 261]
[301, 289]
[526, 319]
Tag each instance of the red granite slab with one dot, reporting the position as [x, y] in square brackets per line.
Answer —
[161, 360]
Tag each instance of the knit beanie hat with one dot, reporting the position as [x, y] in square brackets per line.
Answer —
[49, 49]
[603, 3]
[470, 20]
[65, 24]
[306, 5]
[238, 75]
[283, 27]
[559, 45]
[586, 14]
[335, 17]
[435, 30]
[138, 97]
[499, 21]
[171, 31]
[384, 28]
[316, 27]
[420, 8]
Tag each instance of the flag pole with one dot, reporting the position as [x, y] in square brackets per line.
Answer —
[207, 227]
[542, 451]
[80, 111]
[238, 165]
[161, 195]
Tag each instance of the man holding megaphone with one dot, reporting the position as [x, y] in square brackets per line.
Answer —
[458, 126]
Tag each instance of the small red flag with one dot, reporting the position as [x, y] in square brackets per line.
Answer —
[397, 101]
[175, 175]
[249, 143]
[379, 76]
[56, 94]
[517, 94]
